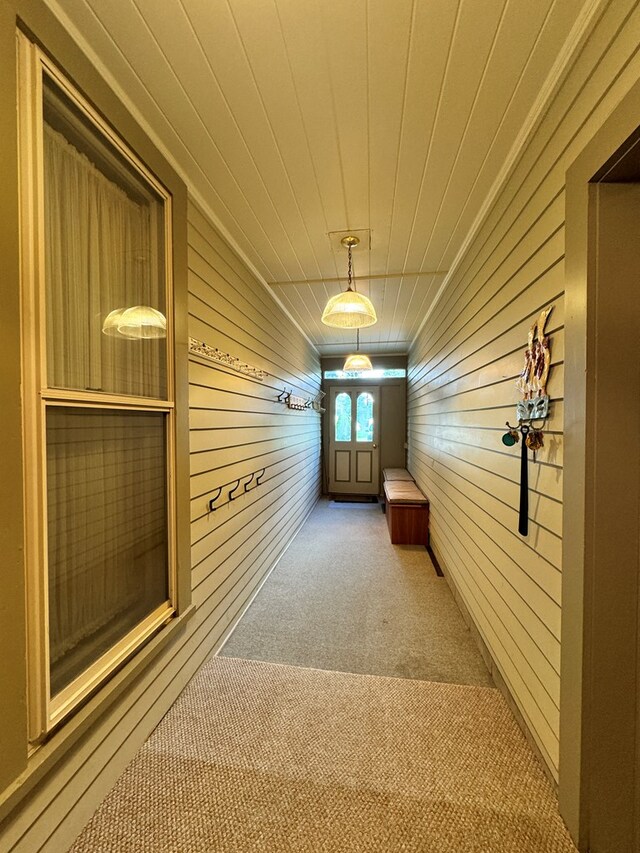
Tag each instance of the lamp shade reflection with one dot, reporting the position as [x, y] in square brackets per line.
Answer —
[140, 322]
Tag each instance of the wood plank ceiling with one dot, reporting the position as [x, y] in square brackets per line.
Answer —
[292, 119]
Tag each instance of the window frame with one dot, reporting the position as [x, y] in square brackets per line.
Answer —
[46, 712]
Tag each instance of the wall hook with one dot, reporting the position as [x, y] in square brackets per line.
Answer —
[249, 481]
[212, 508]
[234, 490]
[281, 395]
[260, 476]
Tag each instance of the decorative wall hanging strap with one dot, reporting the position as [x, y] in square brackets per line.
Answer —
[523, 515]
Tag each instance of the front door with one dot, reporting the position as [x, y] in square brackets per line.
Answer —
[353, 443]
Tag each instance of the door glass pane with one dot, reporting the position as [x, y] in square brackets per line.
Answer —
[364, 417]
[104, 255]
[343, 417]
[107, 530]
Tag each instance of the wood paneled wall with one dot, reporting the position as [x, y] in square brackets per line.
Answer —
[236, 428]
[462, 370]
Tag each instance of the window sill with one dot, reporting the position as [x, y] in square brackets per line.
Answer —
[43, 757]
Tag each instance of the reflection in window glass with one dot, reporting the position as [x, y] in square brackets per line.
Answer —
[364, 417]
[104, 254]
[343, 417]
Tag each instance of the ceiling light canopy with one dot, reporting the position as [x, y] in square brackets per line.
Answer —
[349, 310]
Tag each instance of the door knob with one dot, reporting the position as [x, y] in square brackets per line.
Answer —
[375, 446]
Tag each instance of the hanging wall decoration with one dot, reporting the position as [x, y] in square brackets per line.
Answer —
[532, 382]
[215, 354]
[534, 406]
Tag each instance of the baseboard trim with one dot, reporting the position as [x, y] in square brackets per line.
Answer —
[434, 560]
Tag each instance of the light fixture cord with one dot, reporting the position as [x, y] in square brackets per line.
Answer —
[349, 268]
[358, 340]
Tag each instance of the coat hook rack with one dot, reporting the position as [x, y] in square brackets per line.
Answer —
[294, 401]
[255, 477]
[200, 348]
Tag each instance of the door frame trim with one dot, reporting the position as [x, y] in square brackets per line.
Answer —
[583, 709]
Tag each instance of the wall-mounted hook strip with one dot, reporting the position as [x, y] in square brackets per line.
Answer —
[209, 353]
[254, 478]
[212, 508]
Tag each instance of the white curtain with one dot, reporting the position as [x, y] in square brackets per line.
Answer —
[100, 256]
[106, 485]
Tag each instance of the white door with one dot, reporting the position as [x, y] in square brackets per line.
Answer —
[354, 417]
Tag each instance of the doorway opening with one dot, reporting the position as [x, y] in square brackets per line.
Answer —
[364, 428]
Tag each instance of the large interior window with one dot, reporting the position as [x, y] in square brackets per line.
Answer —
[98, 394]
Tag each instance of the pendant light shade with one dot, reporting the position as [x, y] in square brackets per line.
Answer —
[349, 310]
[358, 361]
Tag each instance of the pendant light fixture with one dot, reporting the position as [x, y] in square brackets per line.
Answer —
[358, 361]
[349, 310]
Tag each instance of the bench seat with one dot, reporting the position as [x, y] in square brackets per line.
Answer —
[401, 491]
[407, 511]
[396, 474]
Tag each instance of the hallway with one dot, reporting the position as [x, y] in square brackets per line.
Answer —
[336, 736]
[342, 597]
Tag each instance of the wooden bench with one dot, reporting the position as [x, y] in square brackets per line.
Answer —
[407, 512]
[394, 474]
[397, 474]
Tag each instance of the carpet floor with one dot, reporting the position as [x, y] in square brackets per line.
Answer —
[344, 598]
[265, 757]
